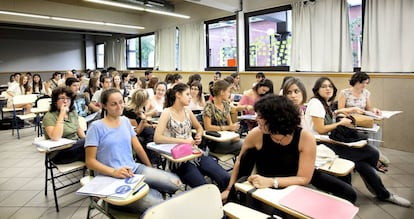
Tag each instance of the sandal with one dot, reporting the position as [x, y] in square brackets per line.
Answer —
[381, 167]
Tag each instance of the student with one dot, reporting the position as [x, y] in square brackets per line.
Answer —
[235, 89]
[197, 97]
[282, 152]
[148, 75]
[320, 120]
[62, 122]
[93, 86]
[37, 87]
[109, 143]
[157, 101]
[252, 95]
[106, 84]
[259, 76]
[174, 127]
[295, 91]
[216, 77]
[136, 112]
[82, 104]
[216, 117]
[20, 87]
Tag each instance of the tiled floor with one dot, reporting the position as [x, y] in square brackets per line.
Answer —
[22, 183]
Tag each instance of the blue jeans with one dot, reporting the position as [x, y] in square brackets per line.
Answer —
[192, 173]
[365, 159]
[158, 180]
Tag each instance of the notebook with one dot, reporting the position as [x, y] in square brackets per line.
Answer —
[49, 145]
[161, 148]
[317, 205]
[106, 186]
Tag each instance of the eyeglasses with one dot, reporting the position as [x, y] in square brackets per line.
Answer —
[64, 98]
[324, 86]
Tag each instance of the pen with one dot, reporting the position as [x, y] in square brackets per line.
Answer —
[139, 189]
[332, 162]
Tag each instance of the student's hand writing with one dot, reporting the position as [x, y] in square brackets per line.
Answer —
[260, 182]
[123, 172]
[376, 111]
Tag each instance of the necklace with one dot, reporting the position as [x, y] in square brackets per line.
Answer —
[278, 141]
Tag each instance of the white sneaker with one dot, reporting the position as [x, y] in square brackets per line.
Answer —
[399, 200]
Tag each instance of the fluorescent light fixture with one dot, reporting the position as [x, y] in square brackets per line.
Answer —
[123, 25]
[24, 14]
[167, 13]
[129, 6]
[116, 4]
[70, 20]
[77, 20]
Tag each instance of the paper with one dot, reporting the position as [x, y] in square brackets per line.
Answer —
[315, 204]
[50, 144]
[374, 128]
[106, 186]
[384, 114]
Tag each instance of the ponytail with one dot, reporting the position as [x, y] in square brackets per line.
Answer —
[171, 93]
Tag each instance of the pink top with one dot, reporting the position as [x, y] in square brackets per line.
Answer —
[246, 100]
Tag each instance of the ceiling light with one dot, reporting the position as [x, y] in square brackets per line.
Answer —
[70, 20]
[24, 14]
[129, 6]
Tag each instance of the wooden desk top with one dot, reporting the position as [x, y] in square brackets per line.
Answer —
[325, 138]
[338, 167]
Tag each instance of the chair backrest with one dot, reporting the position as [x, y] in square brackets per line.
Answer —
[44, 103]
[203, 202]
[21, 99]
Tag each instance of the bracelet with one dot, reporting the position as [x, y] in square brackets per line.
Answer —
[275, 183]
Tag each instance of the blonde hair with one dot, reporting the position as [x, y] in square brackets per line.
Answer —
[138, 99]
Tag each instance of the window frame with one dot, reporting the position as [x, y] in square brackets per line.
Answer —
[217, 68]
[96, 56]
[247, 39]
[139, 54]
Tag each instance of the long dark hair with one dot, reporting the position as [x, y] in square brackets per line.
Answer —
[297, 82]
[264, 83]
[197, 84]
[105, 96]
[55, 97]
[326, 103]
[40, 83]
[170, 95]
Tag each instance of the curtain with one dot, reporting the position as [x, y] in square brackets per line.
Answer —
[192, 47]
[320, 36]
[165, 39]
[115, 53]
[388, 36]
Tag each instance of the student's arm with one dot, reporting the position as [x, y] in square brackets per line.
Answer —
[81, 132]
[321, 128]
[93, 164]
[370, 107]
[198, 128]
[140, 151]
[249, 142]
[341, 100]
[160, 138]
[55, 131]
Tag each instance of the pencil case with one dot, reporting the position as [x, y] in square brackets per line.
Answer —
[181, 150]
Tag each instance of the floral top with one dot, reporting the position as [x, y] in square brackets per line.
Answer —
[179, 129]
[217, 116]
[352, 101]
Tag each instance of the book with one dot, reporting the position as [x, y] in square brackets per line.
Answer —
[318, 205]
[106, 186]
[50, 145]
[384, 114]
[161, 148]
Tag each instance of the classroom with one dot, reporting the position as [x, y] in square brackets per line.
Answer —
[306, 39]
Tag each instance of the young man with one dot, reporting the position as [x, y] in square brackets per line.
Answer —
[83, 105]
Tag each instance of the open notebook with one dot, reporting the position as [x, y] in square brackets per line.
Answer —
[318, 205]
[106, 186]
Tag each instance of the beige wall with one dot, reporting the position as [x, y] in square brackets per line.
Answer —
[388, 91]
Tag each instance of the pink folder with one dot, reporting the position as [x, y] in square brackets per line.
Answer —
[317, 205]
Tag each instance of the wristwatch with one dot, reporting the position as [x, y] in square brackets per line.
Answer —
[275, 183]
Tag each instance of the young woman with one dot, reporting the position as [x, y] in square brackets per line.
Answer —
[157, 101]
[174, 127]
[62, 122]
[197, 98]
[21, 87]
[252, 95]
[109, 143]
[117, 83]
[235, 89]
[38, 84]
[295, 91]
[282, 152]
[93, 86]
[320, 120]
[136, 112]
[217, 117]
[53, 82]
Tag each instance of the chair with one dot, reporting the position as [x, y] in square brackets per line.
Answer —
[203, 202]
[42, 106]
[21, 99]
[61, 175]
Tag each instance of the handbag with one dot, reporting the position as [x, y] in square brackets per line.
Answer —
[363, 121]
[345, 134]
[181, 150]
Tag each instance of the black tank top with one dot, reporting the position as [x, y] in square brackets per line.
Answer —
[277, 160]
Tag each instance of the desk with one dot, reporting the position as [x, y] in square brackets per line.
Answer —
[225, 136]
[338, 167]
[274, 198]
[152, 146]
[325, 138]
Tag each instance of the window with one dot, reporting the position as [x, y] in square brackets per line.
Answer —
[221, 44]
[140, 52]
[100, 54]
[355, 29]
[268, 39]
